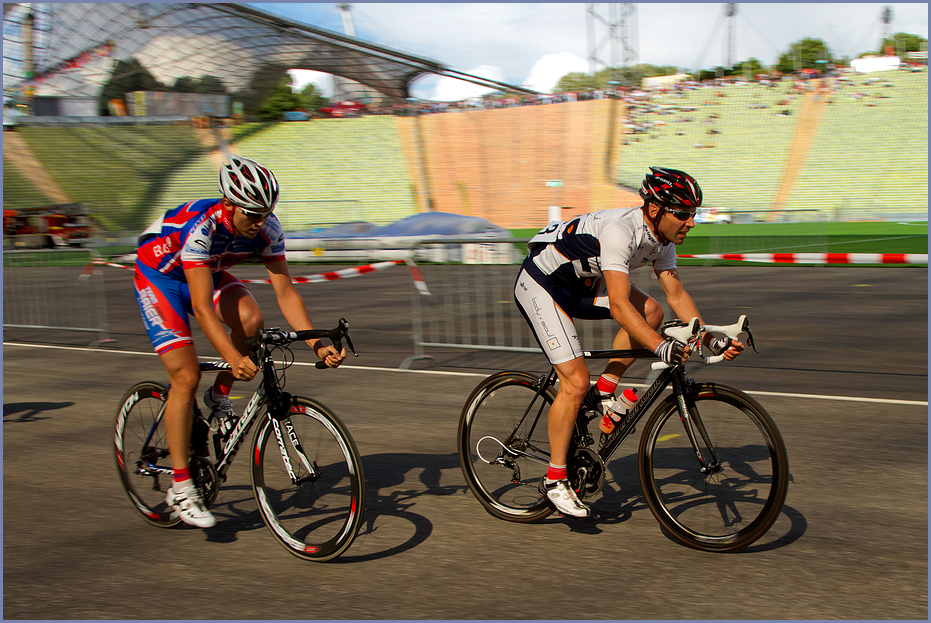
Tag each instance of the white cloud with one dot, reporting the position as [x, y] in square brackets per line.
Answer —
[550, 68]
[452, 90]
[519, 39]
[300, 78]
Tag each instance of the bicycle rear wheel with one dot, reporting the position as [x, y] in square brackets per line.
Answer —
[497, 424]
[317, 513]
[141, 452]
[735, 502]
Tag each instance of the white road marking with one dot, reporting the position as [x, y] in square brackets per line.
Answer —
[889, 401]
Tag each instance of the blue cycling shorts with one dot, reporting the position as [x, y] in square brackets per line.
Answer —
[165, 303]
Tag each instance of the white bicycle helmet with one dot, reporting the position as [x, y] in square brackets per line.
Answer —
[248, 184]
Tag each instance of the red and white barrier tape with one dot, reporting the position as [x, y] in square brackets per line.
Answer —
[345, 273]
[818, 258]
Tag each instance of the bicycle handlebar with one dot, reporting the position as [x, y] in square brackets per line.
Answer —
[277, 337]
[691, 331]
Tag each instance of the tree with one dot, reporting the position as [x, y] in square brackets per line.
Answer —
[575, 81]
[313, 99]
[751, 66]
[281, 100]
[805, 54]
[903, 43]
[127, 76]
[626, 77]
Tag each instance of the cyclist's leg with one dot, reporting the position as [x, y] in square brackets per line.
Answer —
[238, 310]
[184, 373]
[574, 381]
[542, 306]
[165, 303]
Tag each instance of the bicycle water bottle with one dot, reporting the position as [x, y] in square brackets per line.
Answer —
[618, 410]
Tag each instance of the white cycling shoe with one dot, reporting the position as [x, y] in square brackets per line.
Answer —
[190, 507]
[561, 495]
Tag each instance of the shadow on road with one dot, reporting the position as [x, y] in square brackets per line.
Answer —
[29, 411]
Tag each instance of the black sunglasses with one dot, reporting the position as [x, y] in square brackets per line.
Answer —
[682, 215]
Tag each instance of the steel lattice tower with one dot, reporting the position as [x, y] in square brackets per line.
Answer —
[617, 31]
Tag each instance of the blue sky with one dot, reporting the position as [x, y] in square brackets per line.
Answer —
[534, 44]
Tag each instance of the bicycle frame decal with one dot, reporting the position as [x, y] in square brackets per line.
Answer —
[276, 426]
[238, 435]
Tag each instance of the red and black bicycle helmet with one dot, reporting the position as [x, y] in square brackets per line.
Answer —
[670, 187]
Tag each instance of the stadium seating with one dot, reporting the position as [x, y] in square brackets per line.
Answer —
[18, 192]
[870, 155]
[335, 170]
[119, 170]
[856, 149]
[848, 170]
[741, 165]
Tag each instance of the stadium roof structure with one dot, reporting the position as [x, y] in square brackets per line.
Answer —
[76, 46]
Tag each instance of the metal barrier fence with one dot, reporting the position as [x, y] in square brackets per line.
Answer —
[42, 289]
[471, 301]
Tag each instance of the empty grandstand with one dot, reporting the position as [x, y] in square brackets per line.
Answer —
[763, 151]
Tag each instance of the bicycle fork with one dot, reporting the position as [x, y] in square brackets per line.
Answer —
[692, 422]
[313, 470]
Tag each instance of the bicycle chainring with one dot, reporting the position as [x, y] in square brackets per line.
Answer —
[206, 478]
[586, 472]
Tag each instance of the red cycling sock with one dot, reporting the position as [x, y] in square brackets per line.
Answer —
[606, 385]
[180, 475]
[556, 472]
[220, 389]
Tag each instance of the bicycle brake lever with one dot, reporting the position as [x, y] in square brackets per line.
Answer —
[344, 329]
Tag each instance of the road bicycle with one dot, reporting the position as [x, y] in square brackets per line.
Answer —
[306, 470]
[712, 464]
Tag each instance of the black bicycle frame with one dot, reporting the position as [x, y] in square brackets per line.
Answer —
[674, 375]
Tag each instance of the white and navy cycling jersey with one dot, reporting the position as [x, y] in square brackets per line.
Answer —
[574, 253]
[201, 233]
[561, 279]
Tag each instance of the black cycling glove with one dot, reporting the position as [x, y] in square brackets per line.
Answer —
[670, 351]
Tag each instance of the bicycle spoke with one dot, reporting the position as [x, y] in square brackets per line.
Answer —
[502, 449]
[312, 497]
[734, 502]
[141, 452]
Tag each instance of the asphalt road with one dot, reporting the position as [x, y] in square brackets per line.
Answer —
[842, 369]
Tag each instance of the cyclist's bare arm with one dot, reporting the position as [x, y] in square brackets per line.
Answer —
[295, 312]
[624, 312]
[680, 301]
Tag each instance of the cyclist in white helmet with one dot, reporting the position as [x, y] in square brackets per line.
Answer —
[181, 269]
[581, 269]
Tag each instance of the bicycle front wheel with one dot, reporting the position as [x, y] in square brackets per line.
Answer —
[503, 445]
[308, 481]
[739, 494]
[140, 450]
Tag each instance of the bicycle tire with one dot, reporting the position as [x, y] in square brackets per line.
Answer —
[733, 507]
[493, 410]
[319, 517]
[137, 417]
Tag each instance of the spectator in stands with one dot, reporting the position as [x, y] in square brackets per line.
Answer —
[581, 269]
[180, 270]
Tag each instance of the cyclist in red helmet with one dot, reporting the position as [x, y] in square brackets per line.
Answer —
[181, 270]
[581, 269]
